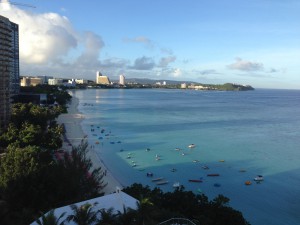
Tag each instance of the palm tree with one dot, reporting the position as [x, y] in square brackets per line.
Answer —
[127, 217]
[50, 219]
[107, 217]
[144, 208]
[83, 215]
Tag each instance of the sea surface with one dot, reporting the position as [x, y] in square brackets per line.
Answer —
[237, 135]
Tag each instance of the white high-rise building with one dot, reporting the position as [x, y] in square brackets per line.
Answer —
[122, 80]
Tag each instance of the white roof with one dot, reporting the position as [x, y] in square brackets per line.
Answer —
[116, 201]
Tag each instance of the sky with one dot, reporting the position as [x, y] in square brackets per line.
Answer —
[252, 42]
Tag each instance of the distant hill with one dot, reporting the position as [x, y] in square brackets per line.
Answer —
[196, 85]
[151, 81]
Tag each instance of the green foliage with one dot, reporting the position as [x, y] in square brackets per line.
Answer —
[107, 217]
[18, 163]
[34, 114]
[181, 203]
[50, 219]
[33, 125]
[80, 180]
[31, 179]
[83, 215]
[54, 93]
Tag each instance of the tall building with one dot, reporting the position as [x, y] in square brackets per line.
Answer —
[122, 80]
[100, 79]
[9, 67]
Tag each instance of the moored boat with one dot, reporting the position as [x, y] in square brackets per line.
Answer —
[213, 175]
[196, 180]
[192, 146]
[162, 182]
[259, 178]
[176, 185]
[157, 179]
[248, 182]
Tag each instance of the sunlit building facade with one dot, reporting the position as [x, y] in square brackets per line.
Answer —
[100, 79]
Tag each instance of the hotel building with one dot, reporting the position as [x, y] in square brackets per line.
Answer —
[100, 79]
[9, 67]
[122, 80]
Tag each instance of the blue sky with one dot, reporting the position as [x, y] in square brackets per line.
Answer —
[253, 42]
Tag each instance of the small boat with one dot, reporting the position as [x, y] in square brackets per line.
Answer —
[195, 160]
[192, 146]
[173, 170]
[248, 182]
[213, 175]
[217, 185]
[148, 149]
[162, 182]
[196, 180]
[222, 160]
[149, 174]
[177, 149]
[259, 178]
[157, 179]
[134, 165]
[242, 170]
[205, 167]
[176, 185]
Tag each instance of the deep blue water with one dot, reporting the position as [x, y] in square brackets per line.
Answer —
[256, 131]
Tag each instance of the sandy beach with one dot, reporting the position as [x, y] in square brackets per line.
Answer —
[74, 135]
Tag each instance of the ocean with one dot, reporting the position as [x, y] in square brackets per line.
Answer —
[237, 135]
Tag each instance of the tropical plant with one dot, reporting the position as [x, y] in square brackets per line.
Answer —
[83, 215]
[144, 209]
[127, 217]
[107, 217]
[50, 219]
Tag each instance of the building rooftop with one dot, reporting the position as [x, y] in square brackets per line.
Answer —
[117, 201]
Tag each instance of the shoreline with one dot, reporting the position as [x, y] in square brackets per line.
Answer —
[73, 136]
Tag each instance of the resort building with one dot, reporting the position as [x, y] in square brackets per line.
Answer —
[81, 81]
[183, 86]
[55, 81]
[122, 80]
[118, 201]
[31, 81]
[9, 67]
[45, 78]
[100, 79]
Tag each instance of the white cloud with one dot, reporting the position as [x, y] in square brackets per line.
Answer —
[177, 72]
[143, 63]
[46, 39]
[140, 39]
[43, 37]
[165, 61]
[244, 65]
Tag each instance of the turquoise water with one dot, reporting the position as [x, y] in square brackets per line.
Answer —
[255, 131]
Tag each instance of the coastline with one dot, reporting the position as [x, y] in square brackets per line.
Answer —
[73, 136]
